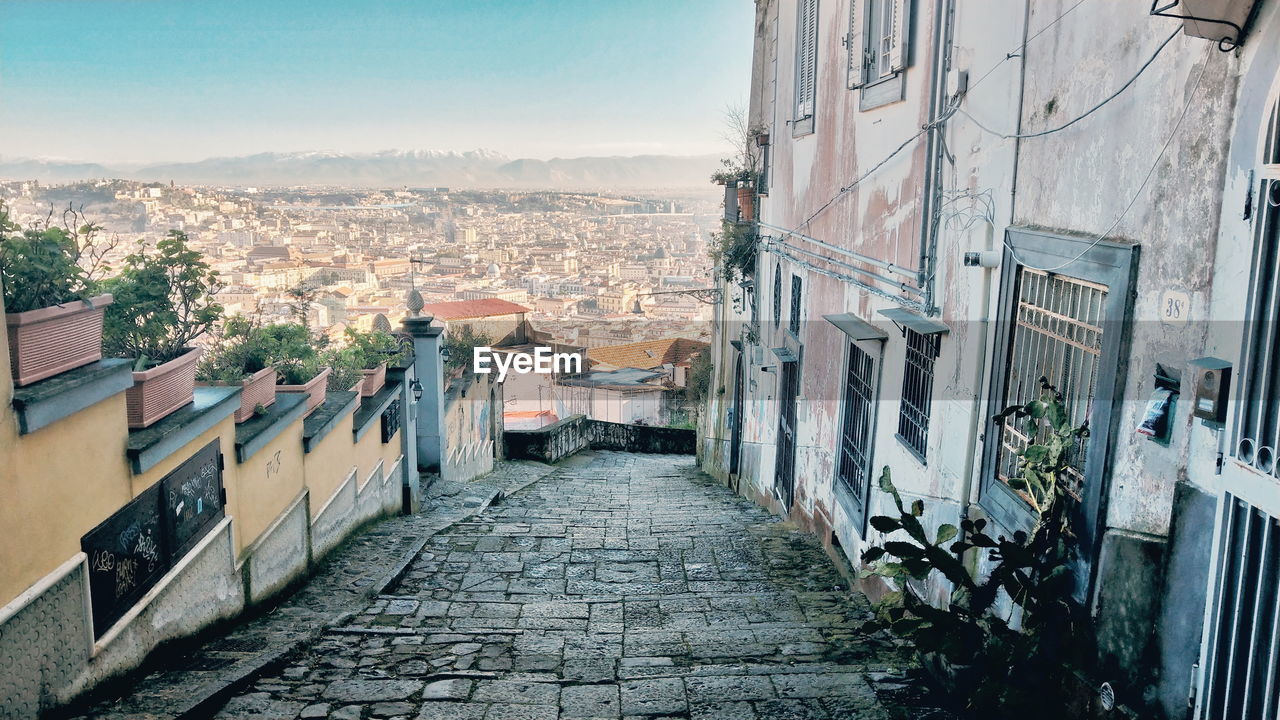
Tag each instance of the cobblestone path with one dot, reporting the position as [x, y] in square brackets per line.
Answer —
[620, 586]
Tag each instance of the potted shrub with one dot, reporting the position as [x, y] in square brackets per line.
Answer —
[344, 368]
[52, 317]
[164, 301]
[374, 350]
[299, 368]
[242, 358]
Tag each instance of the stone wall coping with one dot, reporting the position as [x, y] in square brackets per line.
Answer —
[253, 434]
[320, 423]
[371, 408]
[43, 403]
[149, 446]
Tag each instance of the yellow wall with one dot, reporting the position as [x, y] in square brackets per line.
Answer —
[390, 451]
[265, 484]
[329, 463]
[367, 454]
[56, 484]
[59, 482]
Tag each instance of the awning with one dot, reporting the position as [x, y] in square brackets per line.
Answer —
[785, 354]
[919, 323]
[855, 327]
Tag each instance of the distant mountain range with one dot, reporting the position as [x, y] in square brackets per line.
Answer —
[394, 168]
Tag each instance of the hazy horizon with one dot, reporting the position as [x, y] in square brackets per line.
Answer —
[146, 82]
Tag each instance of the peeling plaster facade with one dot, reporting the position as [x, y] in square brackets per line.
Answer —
[1154, 562]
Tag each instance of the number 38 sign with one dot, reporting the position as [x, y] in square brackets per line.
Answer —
[1175, 307]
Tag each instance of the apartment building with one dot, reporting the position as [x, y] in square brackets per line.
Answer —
[958, 199]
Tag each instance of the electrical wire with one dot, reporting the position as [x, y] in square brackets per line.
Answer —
[1137, 194]
[942, 118]
[1087, 113]
[1017, 50]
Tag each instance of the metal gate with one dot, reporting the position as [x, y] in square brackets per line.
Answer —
[784, 472]
[1244, 634]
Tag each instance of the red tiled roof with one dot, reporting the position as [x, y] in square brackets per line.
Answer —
[647, 355]
[468, 309]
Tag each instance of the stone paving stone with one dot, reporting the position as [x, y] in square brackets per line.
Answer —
[361, 690]
[653, 697]
[616, 586]
[590, 701]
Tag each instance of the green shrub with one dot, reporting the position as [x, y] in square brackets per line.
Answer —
[164, 300]
[47, 265]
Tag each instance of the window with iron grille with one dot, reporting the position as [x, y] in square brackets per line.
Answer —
[853, 463]
[1067, 325]
[917, 391]
[777, 295]
[796, 302]
[806, 66]
[1258, 427]
[1241, 669]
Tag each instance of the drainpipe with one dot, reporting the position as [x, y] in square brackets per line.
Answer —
[944, 18]
[972, 483]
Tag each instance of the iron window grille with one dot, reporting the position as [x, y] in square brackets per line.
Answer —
[1058, 336]
[854, 461]
[917, 391]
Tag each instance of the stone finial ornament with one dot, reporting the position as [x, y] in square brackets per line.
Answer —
[415, 302]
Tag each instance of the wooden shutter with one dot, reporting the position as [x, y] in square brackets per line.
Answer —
[806, 57]
[857, 42]
[900, 50]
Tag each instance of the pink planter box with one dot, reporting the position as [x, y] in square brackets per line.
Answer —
[53, 340]
[373, 380]
[161, 390]
[314, 388]
[257, 389]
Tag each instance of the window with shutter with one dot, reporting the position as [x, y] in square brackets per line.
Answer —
[806, 65]
[879, 44]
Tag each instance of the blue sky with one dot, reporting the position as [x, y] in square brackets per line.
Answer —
[153, 80]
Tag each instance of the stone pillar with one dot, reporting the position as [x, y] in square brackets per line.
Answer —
[428, 368]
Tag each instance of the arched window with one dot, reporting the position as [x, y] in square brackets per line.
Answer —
[1258, 427]
[777, 294]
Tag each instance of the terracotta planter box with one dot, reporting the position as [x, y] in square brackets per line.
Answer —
[256, 390]
[162, 389]
[52, 340]
[373, 380]
[314, 389]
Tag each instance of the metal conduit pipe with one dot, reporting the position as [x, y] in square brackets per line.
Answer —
[895, 269]
[905, 302]
[852, 268]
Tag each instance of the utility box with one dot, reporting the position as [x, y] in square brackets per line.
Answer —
[1209, 19]
[1211, 386]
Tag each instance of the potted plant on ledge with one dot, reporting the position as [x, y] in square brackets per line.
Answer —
[242, 358]
[373, 350]
[52, 317]
[164, 301]
[299, 368]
